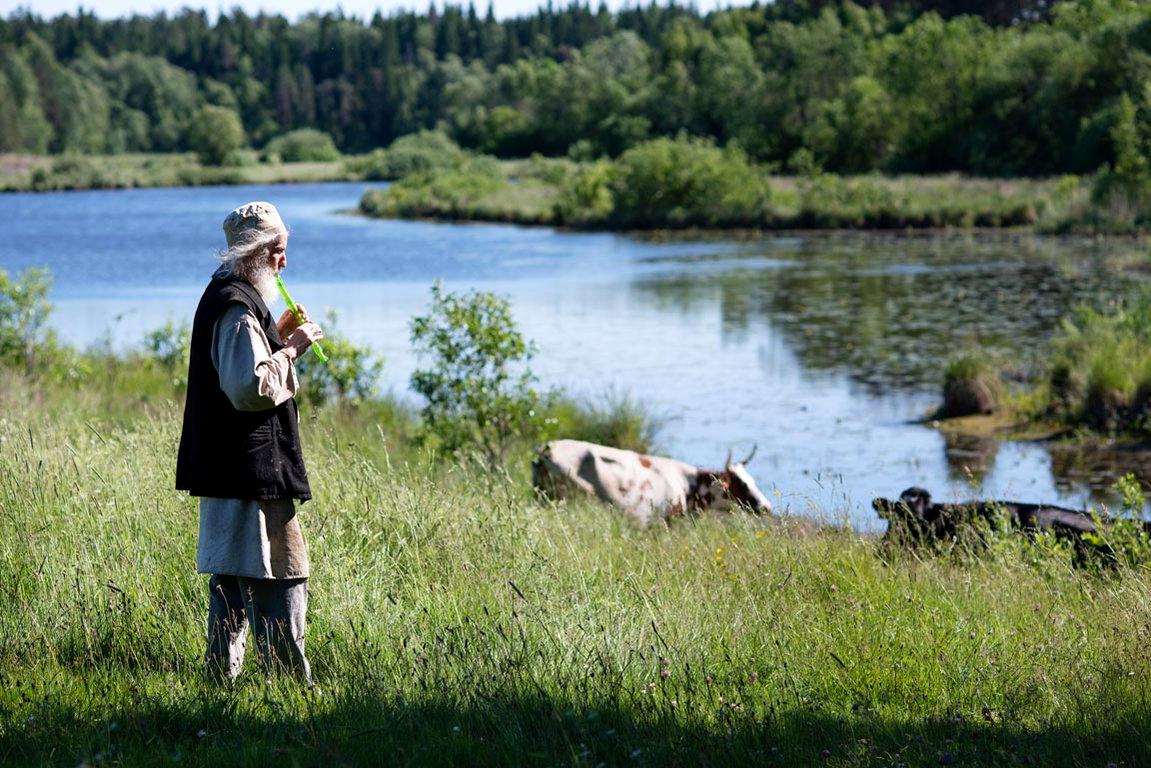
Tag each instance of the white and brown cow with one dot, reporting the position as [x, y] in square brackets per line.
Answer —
[644, 487]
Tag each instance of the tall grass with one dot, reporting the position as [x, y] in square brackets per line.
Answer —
[455, 619]
[1099, 370]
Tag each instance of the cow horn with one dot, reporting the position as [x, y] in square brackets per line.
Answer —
[727, 461]
[754, 446]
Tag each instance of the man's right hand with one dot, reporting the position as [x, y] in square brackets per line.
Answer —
[303, 337]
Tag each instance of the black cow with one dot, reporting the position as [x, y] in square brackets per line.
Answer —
[915, 520]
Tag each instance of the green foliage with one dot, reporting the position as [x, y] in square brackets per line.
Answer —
[23, 126]
[350, 376]
[216, 135]
[615, 419]
[586, 198]
[169, 347]
[1123, 190]
[24, 311]
[1099, 370]
[450, 193]
[971, 385]
[923, 88]
[478, 386]
[305, 145]
[420, 153]
[687, 182]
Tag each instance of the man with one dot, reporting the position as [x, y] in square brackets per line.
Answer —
[240, 450]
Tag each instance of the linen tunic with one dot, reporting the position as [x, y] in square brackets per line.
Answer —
[247, 537]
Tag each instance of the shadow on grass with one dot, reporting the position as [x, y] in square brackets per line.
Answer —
[213, 728]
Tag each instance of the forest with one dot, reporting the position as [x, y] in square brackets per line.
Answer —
[982, 87]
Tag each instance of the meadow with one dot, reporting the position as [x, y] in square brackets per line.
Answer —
[457, 619]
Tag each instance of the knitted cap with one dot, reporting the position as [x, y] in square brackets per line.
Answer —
[251, 221]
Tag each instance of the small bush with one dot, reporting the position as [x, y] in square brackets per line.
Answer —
[479, 389]
[1109, 389]
[971, 386]
[350, 376]
[417, 153]
[24, 311]
[216, 135]
[450, 193]
[306, 145]
[687, 182]
[1100, 370]
[169, 347]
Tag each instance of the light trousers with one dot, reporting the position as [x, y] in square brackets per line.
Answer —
[275, 610]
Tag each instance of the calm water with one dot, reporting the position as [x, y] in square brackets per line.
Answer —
[822, 351]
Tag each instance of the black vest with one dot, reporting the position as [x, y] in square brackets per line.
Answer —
[224, 452]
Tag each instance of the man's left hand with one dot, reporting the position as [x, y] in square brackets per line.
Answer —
[288, 322]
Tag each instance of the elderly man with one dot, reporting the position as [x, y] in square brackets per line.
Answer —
[240, 450]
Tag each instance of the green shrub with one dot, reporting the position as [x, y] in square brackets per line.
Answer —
[479, 389]
[1109, 390]
[971, 386]
[687, 182]
[1100, 369]
[24, 311]
[350, 376]
[169, 347]
[306, 145]
[417, 153]
[586, 196]
[446, 193]
[215, 135]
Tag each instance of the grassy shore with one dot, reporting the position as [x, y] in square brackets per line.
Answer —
[691, 184]
[456, 619]
[27, 173]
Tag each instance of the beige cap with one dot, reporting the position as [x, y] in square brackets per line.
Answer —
[252, 220]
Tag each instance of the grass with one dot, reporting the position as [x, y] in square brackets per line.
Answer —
[23, 173]
[456, 619]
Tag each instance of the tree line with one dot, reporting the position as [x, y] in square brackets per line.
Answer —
[990, 87]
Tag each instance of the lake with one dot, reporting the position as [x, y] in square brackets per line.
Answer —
[823, 351]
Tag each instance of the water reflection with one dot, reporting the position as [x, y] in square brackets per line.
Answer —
[888, 313]
[969, 456]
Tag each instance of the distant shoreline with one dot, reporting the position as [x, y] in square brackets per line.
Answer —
[74, 173]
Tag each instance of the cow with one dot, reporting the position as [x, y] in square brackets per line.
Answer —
[644, 487]
[915, 520]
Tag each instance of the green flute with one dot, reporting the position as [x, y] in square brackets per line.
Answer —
[319, 352]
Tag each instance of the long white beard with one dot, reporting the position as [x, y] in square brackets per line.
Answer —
[263, 280]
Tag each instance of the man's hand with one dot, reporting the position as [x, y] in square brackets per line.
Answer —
[303, 337]
[288, 322]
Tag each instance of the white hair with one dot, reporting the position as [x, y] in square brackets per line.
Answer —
[245, 259]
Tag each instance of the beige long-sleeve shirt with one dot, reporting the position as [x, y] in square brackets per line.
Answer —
[247, 537]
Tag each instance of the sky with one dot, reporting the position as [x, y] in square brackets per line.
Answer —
[293, 9]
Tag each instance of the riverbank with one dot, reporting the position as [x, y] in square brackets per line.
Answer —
[659, 186]
[32, 173]
[688, 184]
[456, 619]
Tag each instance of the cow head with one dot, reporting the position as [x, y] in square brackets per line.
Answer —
[733, 486]
[913, 504]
